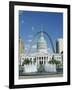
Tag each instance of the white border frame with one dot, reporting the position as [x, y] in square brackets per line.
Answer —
[18, 81]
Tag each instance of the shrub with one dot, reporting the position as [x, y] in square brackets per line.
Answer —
[41, 68]
[26, 61]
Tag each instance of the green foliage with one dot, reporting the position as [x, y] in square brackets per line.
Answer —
[26, 61]
[30, 61]
[34, 60]
[53, 61]
[41, 68]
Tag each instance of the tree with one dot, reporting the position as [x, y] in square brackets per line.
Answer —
[54, 61]
[30, 61]
[34, 60]
[26, 61]
[41, 68]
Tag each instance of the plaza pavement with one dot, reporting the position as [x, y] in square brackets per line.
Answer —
[40, 76]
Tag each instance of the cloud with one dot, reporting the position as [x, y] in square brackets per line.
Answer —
[34, 46]
[30, 40]
[32, 28]
[26, 46]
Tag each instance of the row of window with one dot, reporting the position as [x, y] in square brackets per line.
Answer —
[58, 57]
[29, 58]
[41, 62]
[43, 58]
[39, 58]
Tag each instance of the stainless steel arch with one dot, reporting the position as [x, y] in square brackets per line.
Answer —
[48, 38]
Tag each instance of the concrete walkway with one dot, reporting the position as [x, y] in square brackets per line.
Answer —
[40, 76]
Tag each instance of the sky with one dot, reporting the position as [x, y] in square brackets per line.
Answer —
[31, 22]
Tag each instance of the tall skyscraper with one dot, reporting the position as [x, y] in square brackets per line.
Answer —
[21, 47]
[59, 45]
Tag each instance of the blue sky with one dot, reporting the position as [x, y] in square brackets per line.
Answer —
[30, 22]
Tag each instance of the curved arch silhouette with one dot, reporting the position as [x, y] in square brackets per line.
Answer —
[48, 36]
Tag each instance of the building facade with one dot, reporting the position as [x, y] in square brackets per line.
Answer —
[21, 47]
[21, 50]
[41, 56]
[59, 45]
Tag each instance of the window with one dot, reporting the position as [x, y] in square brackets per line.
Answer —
[39, 58]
